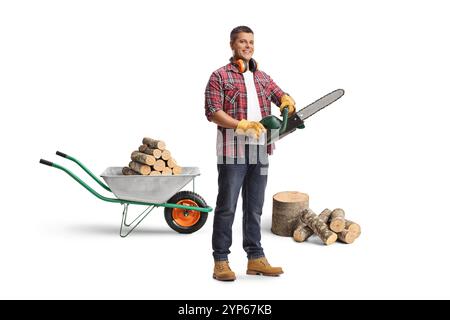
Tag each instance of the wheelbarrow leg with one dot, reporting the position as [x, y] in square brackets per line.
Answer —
[126, 228]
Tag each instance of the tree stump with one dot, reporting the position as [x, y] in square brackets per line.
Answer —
[287, 206]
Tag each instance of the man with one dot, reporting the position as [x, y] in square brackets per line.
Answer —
[237, 96]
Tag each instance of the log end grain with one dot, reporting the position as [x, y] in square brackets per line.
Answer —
[348, 237]
[177, 170]
[291, 196]
[331, 238]
[337, 225]
[352, 226]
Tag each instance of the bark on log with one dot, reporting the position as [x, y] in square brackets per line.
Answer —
[165, 154]
[177, 170]
[337, 221]
[166, 171]
[159, 165]
[155, 144]
[141, 168]
[302, 232]
[318, 226]
[171, 163]
[126, 171]
[143, 158]
[151, 151]
[325, 215]
[286, 208]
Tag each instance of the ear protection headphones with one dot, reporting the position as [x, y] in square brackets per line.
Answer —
[243, 66]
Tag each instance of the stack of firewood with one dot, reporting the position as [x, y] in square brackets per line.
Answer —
[152, 159]
[292, 217]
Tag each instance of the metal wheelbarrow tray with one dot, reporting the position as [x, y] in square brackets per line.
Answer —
[185, 211]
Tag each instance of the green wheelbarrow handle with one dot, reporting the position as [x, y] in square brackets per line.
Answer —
[114, 200]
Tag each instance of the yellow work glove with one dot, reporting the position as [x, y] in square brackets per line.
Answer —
[287, 102]
[250, 128]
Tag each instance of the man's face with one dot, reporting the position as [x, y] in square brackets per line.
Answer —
[243, 46]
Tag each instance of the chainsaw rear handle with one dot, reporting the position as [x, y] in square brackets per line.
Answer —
[284, 123]
[274, 123]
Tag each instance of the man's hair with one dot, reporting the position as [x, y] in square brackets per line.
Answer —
[235, 31]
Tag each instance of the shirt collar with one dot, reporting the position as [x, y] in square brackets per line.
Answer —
[232, 67]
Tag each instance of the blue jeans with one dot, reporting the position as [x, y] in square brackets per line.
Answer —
[251, 176]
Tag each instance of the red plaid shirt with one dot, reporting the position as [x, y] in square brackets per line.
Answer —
[226, 91]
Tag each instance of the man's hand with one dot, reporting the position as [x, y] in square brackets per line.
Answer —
[250, 128]
[287, 102]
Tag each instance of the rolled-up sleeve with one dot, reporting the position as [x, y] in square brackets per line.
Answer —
[213, 96]
[276, 92]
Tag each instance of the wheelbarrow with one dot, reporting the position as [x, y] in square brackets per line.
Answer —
[184, 211]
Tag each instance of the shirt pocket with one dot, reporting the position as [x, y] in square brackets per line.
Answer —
[267, 94]
[231, 95]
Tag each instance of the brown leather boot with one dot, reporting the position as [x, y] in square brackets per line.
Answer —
[223, 272]
[261, 266]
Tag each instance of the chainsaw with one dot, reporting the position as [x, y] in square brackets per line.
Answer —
[279, 128]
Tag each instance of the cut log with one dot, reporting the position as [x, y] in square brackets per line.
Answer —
[141, 168]
[166, 171]
[165, 154]
[151, 151]
[155, 144]
[159, 165]
[337, 220]
[325, 215]
[143, 158]
[171, 163]
[177, 170]
[126, 171]
[318, 226]
[302, 232]
[155, 173]
[348, 236]
[287, 206]
[352, 226]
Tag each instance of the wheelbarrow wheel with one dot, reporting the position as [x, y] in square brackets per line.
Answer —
[186, 221]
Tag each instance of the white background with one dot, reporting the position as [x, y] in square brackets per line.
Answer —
[91, 78]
